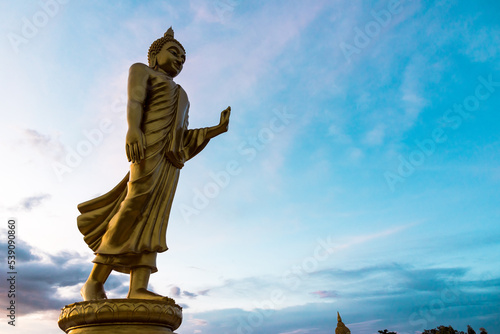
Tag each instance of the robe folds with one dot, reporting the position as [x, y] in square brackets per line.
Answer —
[126, 227]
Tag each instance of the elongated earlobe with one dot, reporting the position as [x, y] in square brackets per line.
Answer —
[154, 64]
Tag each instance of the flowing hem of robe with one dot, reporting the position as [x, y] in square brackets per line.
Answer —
[96, 213]
[126, 262]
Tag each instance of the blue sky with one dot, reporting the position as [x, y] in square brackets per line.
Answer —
[360, 172]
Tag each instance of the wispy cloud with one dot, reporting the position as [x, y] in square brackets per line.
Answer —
[47, 146]
[198, 322]
[175, 291]
[412, 92]
[360, 239]
[325, 294]
[27, 204]
[189, 294]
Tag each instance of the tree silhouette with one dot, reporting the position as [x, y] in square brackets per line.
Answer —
[470, 330]
[442, 330]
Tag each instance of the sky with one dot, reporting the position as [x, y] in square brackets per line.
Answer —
[360, 172]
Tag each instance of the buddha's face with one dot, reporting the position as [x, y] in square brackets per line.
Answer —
[171, 58]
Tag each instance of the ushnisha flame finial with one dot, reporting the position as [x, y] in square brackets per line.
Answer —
[170, 33]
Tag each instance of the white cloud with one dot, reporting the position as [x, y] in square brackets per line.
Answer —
[198, 322]
[375, 136]
[338, 134]
[355, 154]
[412, 93]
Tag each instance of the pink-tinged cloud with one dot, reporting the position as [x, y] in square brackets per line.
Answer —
[325, 294]
[175, 291]
[198, 322]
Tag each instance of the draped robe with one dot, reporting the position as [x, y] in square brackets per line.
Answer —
[126, 227]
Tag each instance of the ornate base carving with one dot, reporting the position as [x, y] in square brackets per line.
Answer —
[121, 316]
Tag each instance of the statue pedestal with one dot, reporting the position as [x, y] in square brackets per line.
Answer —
[121, 316]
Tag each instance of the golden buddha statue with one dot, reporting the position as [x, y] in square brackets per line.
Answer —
[126, 227]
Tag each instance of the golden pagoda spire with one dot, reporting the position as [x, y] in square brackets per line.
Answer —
[341, 328]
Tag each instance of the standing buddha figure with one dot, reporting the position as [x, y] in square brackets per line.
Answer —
[126, 227]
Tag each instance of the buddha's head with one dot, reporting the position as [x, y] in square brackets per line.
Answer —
[167, 54]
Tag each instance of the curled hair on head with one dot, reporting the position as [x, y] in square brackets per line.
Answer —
[155, 48]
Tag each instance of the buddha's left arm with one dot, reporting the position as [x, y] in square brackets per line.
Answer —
[195, 140]
[223, 125]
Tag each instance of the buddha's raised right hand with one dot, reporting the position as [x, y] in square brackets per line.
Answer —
[135, 145]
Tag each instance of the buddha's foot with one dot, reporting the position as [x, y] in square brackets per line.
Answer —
[145, 294]
[93, 290]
